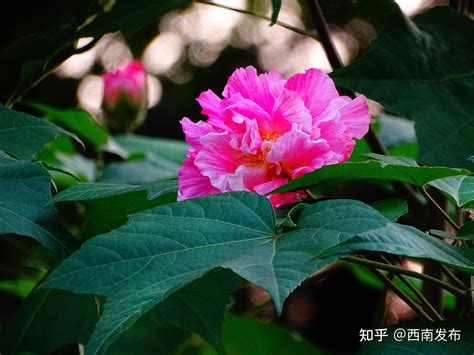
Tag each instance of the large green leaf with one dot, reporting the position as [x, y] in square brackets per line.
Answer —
[193, 307]
[459, 189]
[23, 135]
[48, 320]
[425, 71]
[381, 168]
[25, 205]
[160, 148]
[97, 191]
[392, 208]
[108, 205]
[159, 251]
[162, 249]
[83, 125]
[139, 172]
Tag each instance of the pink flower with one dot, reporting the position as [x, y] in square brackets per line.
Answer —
[128, 81]
[267, 131]
[125, 97]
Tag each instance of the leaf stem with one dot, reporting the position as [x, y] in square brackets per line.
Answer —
[439, 208]
[382, 266]
[451, 276]
[247, 12]
[417, 293]
[399, 292]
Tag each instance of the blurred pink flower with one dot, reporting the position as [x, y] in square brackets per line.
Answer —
[125, 97]
[128, 81]
[267, 131]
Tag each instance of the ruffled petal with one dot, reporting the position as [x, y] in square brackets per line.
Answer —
[246, 177]
[289, 108]
[211, 104]
[296, 153]
[191, 182]
[251, 140]
[261, 89]
[315, 88]
[194, 131]
[355, 115]
[217, 159]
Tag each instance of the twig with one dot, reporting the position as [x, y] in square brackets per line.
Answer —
[454, 279]
[263, 17]
[382, 266]
[439, 208]
[395, 289]
[417, 293]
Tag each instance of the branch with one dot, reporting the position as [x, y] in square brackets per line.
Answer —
[247, 12]
[382, 266]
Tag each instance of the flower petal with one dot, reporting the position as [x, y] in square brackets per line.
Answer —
[315, 88]
[355, 115]
[261, 89]
[289, 108]
[217, 159]
[192, 183]
[194, 131]
[296, 153]
[246, 177]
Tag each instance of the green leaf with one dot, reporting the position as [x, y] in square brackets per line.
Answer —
[459, 189]
[48, 320]
[23, 135]
[276, 6]
[395, 131]
[62, 159]
[162, 249]
[139, 172]
[193, 308]
[96, 191]
[81, 123]
[244, 335]
[392, 208]
[466, 232]
[159, 251]
[418, 76]
[108, 205]
[406, 345]
[383, 168]
[130, 16]
[25, 205]
[160, 148]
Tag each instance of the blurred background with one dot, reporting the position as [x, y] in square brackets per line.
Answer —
[188, 51]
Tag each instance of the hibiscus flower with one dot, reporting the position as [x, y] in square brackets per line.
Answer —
[266, 131]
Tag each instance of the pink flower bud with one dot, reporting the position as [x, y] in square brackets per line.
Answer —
[125, 97]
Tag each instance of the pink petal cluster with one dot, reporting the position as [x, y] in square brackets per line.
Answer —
[267, 131]
[129, 81]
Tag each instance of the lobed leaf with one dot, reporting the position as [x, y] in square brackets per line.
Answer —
[379, 168]
[424, 71]
[162, 249]
[25, 205]
[23, 135]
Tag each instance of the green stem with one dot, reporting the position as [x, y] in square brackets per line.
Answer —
[382, 266]
[417, 293]
[399, 292]
[451, 276]
[439, 208]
